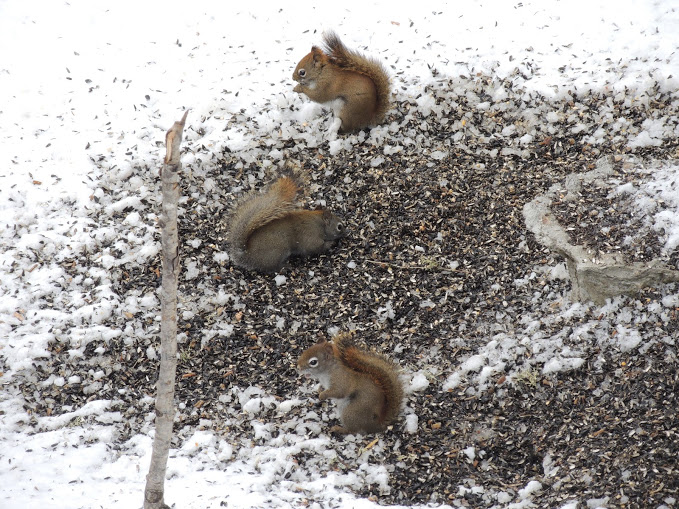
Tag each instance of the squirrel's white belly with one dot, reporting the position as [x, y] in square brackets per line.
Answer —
[341, 404]
[324, 379]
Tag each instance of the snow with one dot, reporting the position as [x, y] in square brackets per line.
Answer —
[419, 382]
[89, 90]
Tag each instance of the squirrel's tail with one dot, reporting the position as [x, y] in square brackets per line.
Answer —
[381, 370]
[342, 56]
[258, 209]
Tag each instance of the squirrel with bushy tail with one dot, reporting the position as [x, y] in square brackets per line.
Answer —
[366, 385]
[336, 72]
[268, 228]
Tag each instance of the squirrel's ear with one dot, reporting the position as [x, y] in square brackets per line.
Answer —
[317, 54]
[327, 349]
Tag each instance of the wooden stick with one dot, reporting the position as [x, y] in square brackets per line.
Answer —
[165, 410]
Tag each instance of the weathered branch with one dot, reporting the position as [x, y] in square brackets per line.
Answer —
[165, 410]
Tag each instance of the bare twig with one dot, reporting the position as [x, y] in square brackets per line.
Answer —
[155, 480]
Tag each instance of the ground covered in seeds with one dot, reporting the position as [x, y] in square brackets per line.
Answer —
[607, 219]
[511, 383]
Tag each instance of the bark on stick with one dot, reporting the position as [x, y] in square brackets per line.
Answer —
[165, 410]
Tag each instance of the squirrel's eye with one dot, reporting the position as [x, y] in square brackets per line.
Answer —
[313, 362]
[301, 73]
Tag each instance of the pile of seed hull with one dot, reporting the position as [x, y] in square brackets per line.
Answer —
[427, 275]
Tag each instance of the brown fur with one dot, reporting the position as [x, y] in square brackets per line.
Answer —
[336, 72]
[367, 383]
[267, 228]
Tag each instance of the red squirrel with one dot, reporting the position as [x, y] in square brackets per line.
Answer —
[336, 72]
[366, 384]
[267, 228]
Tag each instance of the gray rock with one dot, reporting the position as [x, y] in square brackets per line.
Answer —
[592, 278]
